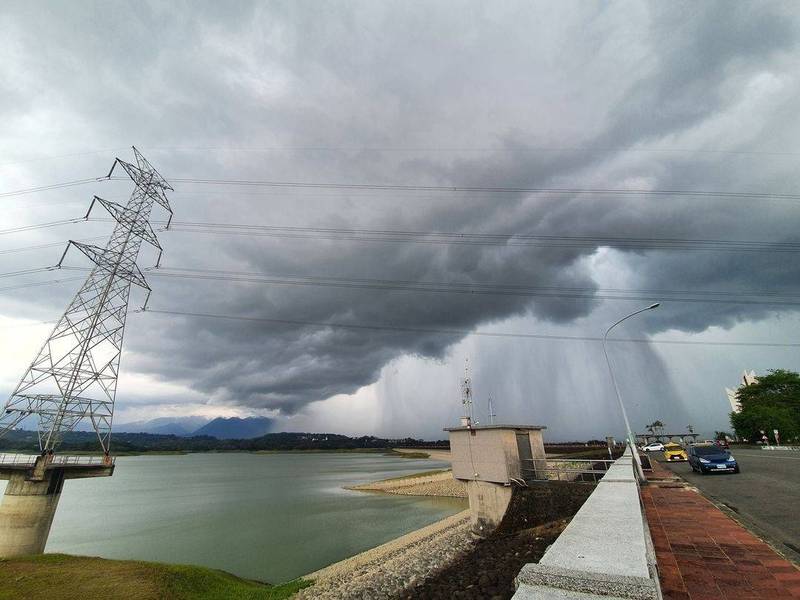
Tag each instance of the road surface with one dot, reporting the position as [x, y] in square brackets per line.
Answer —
[765, 496]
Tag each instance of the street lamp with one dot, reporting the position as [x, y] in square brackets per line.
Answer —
[631, 440]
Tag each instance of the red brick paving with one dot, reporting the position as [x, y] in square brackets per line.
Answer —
[659, 471]
[703, 554]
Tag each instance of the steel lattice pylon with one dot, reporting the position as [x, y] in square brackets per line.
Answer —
[74, 375]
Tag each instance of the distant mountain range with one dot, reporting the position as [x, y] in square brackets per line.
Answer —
[222, 428]
[183, 426]
[234, 428]
[20, 440]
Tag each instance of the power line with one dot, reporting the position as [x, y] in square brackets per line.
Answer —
[467, 238]
[52, 186]
[39, 283]
[485, 149]
[469, 288]
[450, 288]
[50, 245]
[25, 272]
[70, 155]
[441, 237]
[47, 225]
[463, 286]
[491, 189]
[462, 332]
[429, 188]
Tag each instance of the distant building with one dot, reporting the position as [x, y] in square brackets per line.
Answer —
[747, 379]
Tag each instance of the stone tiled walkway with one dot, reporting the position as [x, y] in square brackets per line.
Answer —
[703, 554]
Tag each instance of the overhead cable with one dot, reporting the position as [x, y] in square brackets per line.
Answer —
[473, 238]
[484, 189]
[52, 186]
[461, 332]
[477, 289]
[47, 225]
[50, 245]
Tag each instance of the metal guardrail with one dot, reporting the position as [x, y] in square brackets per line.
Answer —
[18, 460]
[67, 460]
[61, 460]
[583, 469]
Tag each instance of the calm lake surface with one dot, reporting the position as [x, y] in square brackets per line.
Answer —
[271, 517]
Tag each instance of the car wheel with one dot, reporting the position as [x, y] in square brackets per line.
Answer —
[736, 470]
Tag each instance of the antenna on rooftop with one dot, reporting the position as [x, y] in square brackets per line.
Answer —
[466, 396]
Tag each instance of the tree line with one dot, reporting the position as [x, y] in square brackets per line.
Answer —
[773, 402]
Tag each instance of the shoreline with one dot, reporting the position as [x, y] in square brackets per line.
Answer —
[386, 570]
[390, 568]
[409, 453]
[438, 484]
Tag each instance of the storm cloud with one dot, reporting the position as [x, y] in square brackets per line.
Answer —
[525, 95]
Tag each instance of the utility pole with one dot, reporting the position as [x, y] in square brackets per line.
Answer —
[629, 433]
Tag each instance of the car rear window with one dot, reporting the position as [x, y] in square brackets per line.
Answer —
[706, 450]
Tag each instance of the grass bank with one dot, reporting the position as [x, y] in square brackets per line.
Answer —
[65, 577]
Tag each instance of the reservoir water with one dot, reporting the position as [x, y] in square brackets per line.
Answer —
[271, 517]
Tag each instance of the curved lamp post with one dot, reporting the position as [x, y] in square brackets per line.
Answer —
[631, 439]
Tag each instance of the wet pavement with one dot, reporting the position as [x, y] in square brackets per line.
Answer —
[704, 554]
[765, 496]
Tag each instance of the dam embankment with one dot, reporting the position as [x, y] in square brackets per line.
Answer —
[445, 560]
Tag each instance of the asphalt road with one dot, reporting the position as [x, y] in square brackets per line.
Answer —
[765, 496]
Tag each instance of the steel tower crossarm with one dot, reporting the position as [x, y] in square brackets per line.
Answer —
[74, 375]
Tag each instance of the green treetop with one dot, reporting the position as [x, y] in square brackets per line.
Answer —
[771, 403]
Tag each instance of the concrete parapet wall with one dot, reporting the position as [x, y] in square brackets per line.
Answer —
[604, 552]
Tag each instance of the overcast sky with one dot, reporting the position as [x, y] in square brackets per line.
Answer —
[624, 95]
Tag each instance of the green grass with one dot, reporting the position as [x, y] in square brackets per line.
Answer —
[65, 577]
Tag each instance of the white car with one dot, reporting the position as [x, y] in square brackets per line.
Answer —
[653, 447]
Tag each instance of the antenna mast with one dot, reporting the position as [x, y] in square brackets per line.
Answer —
[74, 376]
[466, 396]
[491, 411]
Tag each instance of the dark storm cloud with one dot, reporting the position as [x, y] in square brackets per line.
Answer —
[467, 75]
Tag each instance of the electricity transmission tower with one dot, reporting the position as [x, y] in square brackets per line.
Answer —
[74, 375]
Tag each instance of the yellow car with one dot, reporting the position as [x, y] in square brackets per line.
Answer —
[673, 452]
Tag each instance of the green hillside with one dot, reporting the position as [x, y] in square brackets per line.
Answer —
[64, 577]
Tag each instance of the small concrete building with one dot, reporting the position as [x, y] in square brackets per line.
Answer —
[490, 459]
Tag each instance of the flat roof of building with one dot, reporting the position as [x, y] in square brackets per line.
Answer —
[473, 427]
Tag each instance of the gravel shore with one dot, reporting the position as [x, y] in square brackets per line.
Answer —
[438, 484]
[386, 571]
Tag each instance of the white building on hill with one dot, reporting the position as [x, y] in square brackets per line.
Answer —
[747, 379]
